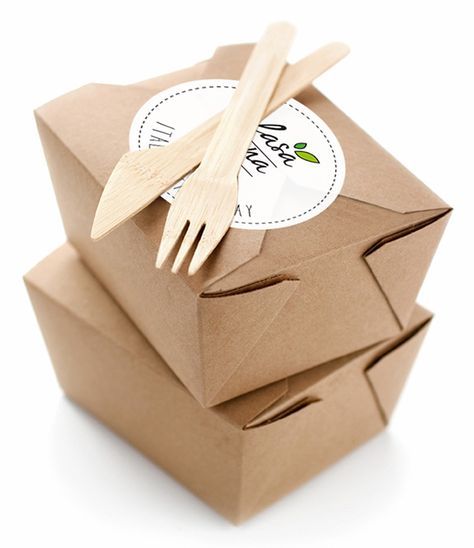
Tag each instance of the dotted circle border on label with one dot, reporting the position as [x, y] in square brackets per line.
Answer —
[223, 86]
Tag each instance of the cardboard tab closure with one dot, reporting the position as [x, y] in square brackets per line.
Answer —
[389, 371]
[400, 261]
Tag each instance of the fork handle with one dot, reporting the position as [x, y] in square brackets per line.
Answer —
[247, 106]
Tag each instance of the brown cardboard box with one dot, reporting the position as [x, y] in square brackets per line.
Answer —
[270, 303]
[242, 454]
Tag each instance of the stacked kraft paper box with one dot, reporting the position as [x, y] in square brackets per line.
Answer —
[284, 353]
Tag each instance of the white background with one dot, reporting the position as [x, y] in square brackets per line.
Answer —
[64, 479]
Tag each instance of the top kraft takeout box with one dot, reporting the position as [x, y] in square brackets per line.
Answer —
[270, 303]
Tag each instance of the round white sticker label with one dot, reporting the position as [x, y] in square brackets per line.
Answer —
[294, 167]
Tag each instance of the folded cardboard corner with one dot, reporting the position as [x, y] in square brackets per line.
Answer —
[238, 456]
[400, 261]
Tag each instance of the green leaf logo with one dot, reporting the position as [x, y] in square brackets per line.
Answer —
[304, 154]
[307, 156]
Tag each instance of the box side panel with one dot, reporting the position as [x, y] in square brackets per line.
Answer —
[162, 420]
[334, 416]
[159, 303]
[282, 455]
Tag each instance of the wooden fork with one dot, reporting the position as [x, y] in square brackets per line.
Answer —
[142, 175]
[205, 205]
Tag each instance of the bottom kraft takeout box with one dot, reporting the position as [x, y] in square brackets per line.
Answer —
[241, 455]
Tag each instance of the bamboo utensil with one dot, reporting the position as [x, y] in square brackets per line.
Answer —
[141, 176]
[205, 206]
